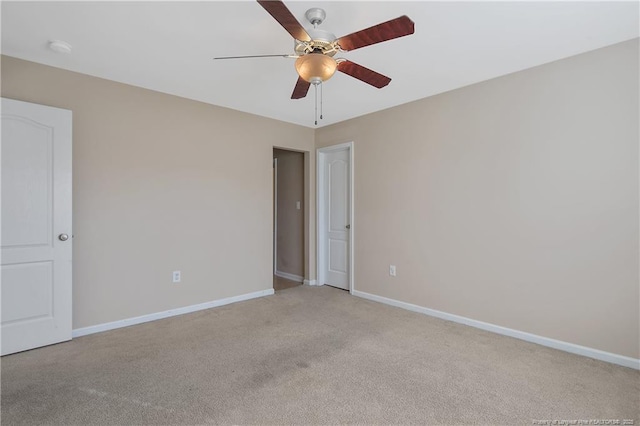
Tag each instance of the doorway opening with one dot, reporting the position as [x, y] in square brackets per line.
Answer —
[288, 219]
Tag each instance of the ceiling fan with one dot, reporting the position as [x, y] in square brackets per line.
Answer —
[315, 49]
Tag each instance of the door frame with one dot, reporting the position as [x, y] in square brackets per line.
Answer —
[275, 216]
[320, 210]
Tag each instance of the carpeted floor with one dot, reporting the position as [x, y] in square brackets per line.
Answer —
[280, 283]
[309, 355]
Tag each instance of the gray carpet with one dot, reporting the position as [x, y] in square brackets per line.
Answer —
[309, 356]
[280, 283]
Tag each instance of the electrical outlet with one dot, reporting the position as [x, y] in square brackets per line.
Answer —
[176, 276]
[392, 270]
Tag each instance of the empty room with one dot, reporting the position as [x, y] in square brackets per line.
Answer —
[314, 212]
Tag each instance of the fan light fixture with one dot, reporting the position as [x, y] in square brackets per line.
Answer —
[316, 67]
[315, 48]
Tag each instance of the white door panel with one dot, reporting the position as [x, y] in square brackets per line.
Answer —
[36, 208]
[27, 291]
[26, 214]
[337, 260]
[337, 214]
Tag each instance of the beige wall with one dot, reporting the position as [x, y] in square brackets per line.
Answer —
[290, 220]
[513, 201]
[161, 183]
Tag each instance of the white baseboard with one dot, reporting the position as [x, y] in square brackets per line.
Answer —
[310, 282]
[625, 361]
[166, 314]
[288, 276]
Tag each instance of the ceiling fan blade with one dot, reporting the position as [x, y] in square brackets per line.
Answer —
[389, 30]
[364, 74]
[280, 13]
[301, 89]
[257, 56]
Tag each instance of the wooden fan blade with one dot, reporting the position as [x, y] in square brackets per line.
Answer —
[280, 13]
[389, 30]
[364, 74]
[301, 89]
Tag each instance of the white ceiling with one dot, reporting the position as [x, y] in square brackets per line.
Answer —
[169, 46]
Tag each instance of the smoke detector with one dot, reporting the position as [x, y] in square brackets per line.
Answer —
[60, 46]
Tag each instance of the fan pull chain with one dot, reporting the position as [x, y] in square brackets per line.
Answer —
[321, 100]
[315, 87]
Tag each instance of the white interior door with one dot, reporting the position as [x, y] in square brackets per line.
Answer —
[36, 226]
[336, 220]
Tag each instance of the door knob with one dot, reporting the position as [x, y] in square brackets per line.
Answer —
[348, 226]
[63, 237]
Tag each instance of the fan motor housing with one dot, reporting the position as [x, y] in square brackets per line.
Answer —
[322, 41]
